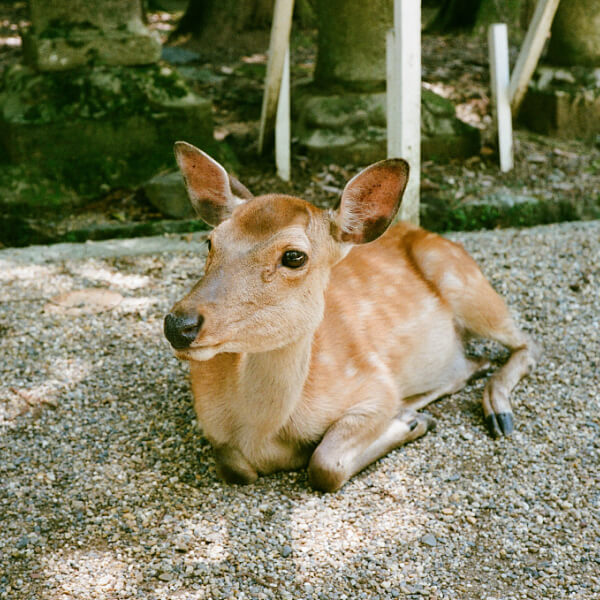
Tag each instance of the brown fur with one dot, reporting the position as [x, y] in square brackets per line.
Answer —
[326, 364]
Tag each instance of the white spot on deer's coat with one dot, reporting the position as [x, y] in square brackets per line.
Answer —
[350, 371]
[325, 359]
[450, 280]
[375, 360]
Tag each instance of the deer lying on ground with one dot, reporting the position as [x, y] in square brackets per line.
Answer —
[314, 335]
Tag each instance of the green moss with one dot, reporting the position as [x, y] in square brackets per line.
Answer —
[445, 214]
[29, 97]
[25, 190]
[251, 70]
[58, 28]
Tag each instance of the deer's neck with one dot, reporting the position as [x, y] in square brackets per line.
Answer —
[271, 383]
[246, 400]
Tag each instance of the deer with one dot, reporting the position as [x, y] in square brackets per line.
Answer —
[315, 336]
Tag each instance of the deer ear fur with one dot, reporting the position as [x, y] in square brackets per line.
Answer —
[370, 202]
[213, 193]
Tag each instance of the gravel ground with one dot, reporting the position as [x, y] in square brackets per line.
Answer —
[108, 489]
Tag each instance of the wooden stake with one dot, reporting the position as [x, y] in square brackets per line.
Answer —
[282, 124]
[280, 34]
[531, 50]
[393, 90]
[498, 49]
[404, 99]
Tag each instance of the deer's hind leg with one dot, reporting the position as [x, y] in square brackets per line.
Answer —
[463, 371]
[479, 310]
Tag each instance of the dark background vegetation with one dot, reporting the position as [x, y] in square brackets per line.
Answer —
[220, 48]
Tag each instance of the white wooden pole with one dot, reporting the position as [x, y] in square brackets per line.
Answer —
[498, 49]
[404, 99]
[531, 50]
[282, 124]
[394, 146]
[280, 34]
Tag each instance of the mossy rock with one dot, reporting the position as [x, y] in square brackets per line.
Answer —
[102, 126]
[499, 209]
[351, 127]
[30, 97]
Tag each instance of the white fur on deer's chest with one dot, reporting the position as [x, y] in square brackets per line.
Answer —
[246, 401]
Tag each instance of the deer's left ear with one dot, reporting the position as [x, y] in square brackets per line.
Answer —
[370, 201]
[212, 191]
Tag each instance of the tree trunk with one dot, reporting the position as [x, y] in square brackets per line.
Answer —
[227, 25]
[478, 14]
[231, 27]
[576, 34]
[352, 42]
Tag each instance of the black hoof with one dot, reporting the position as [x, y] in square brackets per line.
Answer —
[500, 424]
[492, 425]
[505, 420]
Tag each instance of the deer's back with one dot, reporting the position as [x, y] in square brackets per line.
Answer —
[383, 319]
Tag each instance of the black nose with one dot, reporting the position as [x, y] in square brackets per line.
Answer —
[181, 330]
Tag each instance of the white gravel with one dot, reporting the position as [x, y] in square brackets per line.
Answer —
[108, 489]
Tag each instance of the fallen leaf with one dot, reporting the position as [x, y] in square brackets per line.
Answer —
[81, 302]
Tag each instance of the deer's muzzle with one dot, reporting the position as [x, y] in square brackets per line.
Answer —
[182, 329]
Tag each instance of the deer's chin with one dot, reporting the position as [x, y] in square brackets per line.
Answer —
[197, 354]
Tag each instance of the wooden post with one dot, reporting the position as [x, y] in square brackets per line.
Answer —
[498, 49]
[531, 50]
[404, 99]
[280, 34]
[282, 123]
[394, 147]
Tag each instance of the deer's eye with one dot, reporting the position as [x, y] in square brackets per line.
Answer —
[208, 244]
[293, 259]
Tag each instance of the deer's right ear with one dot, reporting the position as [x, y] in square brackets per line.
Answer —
[213, 193]
[370, 201]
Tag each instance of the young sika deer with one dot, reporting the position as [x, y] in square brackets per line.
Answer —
[315, 336]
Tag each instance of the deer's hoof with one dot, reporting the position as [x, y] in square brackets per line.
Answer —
[420, 423]
[501, 424]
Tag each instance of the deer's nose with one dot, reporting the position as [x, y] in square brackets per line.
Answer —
[181, 330]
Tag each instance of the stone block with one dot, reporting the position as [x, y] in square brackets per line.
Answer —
[167, 193]
[352, 127]
[86, 47]
[107, 13]
[563, 103]
[110, 125]
[66, 34]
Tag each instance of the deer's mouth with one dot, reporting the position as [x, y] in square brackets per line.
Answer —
[198, 353]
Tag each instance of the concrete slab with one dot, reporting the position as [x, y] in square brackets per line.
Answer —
[104, 249]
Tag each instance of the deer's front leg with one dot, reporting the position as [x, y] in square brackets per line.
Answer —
[232, 466]
[358, 439]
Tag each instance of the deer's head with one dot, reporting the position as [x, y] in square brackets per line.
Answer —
[269, 257]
